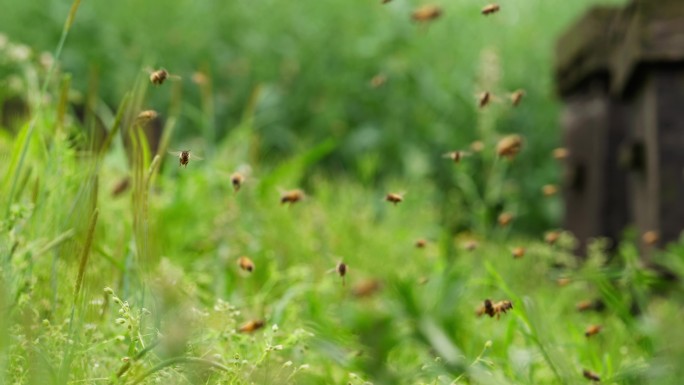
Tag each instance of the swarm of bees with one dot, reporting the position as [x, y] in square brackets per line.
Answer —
[494, 308]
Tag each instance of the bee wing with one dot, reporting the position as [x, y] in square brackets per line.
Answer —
[175, 153]
[448, 155]
[195, 157]
[174, 77]
[148, 69]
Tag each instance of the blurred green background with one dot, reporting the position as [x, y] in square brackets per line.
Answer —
[313, 62]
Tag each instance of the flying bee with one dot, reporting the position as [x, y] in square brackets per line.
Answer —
[516, 97]
[426, 13]
[505, 219]
[560, 153]
[494, 308]
[587, 305]
[483, 99]
[385, 1]
[394, 198]
[158, 77]
[456, 156]
[421, 243]
[551, 237]
[378, 80]
[509, 146]
[518, 252]
[184, 157]
[563, 281]
[146, 115]
[251, 326]
[491, 8]
[592, 330]
[236, 179]
[366, 288]
[470, 245]
[549, 190]
[246, 264]
[341, 269]
[121, 186]
[650, 237]
[291, 197]
[477, 146]
[589, 375]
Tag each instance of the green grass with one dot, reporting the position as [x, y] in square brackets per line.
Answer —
[144, 287]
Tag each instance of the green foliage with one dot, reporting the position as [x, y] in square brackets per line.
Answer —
[141, 285]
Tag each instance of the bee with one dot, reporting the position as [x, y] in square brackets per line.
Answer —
[292, 196]
[366, 288]
[246, 264]
[236, 179]
[483, 99]
[588, 304]
[549, 190]
[184, 157]
[456, 156]
[251, 326]
[650, 237]
[385, 1]
[158, 77]
[563, 281]
[505, 219]
[470, 245]
[560, 153]
[147, 115]
[589, 375]
[516, 97]
[551, 237]
[341, 269]
[477, 146]
[378, 81]
[426, 13]
[509, 146]
[121, 186]
[491, 8]
[592, 330]
[421, 243]
[394, 198]
[518, 252]
[494, 308]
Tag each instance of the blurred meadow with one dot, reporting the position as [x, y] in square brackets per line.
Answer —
[121, 266]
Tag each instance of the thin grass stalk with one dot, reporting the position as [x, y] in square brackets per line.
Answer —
[179, 360]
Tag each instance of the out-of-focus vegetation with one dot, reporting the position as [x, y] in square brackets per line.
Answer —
[314, 62]
[118, 266]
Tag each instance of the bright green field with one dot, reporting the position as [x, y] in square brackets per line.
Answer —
[144, 286]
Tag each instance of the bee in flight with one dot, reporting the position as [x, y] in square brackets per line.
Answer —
[237, 179]
[456, 156]
[421, 243]
[426, 13]
[341, 269]
[505, 219]
[246, 264]
[518, 252]
[560, 153]
[516, 97]
[394, 198]
[292, 196]
[491, 8]
[184, 157]
[509, 146]
[158, 77]
[483, 99]
[589, 375]
[251, 326]
[592, 330]
[494, 308]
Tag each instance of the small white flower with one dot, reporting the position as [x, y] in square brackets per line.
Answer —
[274, 328]
[287, 364]
[19, 52]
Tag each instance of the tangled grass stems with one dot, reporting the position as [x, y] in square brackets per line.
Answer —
[180, 360]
